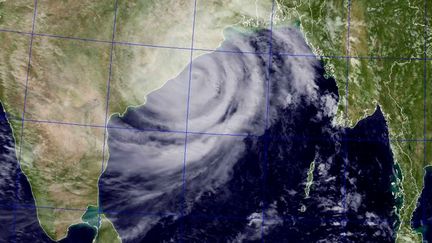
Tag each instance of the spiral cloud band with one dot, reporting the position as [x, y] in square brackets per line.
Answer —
[232, 94]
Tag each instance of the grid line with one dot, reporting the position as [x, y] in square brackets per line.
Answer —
[424, 110]
[281, 138]
[17, 177]
[106, 112]
[304, 55]
[113, 43]
[183, 204]
[293, 217]
[345, 144]
[265, 162]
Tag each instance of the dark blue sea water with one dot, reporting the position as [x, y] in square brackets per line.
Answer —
[350, 201]
[262, 194]
[422, 220]
[18, 220]
[80, 233]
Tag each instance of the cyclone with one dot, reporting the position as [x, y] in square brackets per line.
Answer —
[224, 149]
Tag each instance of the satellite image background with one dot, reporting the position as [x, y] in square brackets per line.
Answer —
[215, 121]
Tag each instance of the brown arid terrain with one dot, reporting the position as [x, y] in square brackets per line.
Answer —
[64, 85]
[66, 90]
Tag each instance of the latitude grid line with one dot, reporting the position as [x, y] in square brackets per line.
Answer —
[281, 138]
[125, 43]
[113, 43]
[17, 177]
[328, 218]
[197, 49]
[57, 208]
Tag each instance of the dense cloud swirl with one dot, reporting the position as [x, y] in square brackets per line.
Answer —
[235, 99]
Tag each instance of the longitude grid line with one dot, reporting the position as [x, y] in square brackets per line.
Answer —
[17, 177]
[113, 43]
[344, 189]
[183, 203]
[265, 162]
[213, 50]
[106, 111]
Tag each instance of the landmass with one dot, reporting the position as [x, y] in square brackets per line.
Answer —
[383, 36]
[67, 81]
[62, 141]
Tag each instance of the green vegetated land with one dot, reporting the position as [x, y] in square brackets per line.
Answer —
[62, 163]
[389, 29]
[105, 229]
[68, 79]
